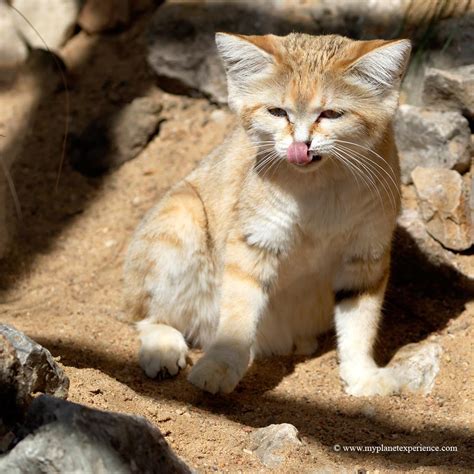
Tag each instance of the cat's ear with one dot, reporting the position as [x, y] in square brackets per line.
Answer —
[380, 64]
[245, 58]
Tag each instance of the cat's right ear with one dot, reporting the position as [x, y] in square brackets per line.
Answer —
[245, 58]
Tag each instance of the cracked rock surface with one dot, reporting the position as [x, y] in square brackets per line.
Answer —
[61, 436]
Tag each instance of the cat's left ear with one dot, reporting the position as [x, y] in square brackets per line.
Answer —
[245, 58]
[381, 64]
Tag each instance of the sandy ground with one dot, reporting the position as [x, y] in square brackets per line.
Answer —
[62, 285]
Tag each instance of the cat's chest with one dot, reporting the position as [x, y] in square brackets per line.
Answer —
[271, 224]
[281, 223]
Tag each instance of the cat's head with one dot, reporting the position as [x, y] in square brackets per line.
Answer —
[302, 97]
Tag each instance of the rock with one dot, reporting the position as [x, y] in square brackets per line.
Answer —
[410, 220]
[27, 368]
[115, 137]
[417, 366]
[101, 15]
[182, 52]
[60, 436]
[267, 442]
[53, 19]
[430, 138]
[453, 89]
[443, 201]
[13, 50]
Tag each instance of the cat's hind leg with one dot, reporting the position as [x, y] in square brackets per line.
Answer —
[169, 282]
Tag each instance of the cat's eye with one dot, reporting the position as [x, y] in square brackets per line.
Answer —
[330, 114]
[277, 112]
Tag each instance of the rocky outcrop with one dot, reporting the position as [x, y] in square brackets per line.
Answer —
[443, 202]
[60, 436]
[431, 138]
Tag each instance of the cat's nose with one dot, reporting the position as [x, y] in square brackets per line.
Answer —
[308, 143]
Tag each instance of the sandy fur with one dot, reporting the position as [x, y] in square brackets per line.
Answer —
[244, 257]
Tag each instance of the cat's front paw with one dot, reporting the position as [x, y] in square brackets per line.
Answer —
[163, 351]
[367, 383]
[213, 375]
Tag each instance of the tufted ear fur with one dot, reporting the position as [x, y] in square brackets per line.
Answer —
[246, 59]
[380, 65]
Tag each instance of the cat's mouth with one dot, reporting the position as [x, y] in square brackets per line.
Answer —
[314, 161]
[300, 155]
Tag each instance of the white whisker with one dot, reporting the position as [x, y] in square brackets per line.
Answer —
[368, 173]
[377, 172]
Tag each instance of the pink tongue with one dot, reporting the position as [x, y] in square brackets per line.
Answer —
[298, 153]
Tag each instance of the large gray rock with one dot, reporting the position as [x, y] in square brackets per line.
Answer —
[13, 50]
[269, 442]
[61, 436]
[115, 137]
[53, 19]
[443, 201]
[26, 368]
[450, 89]
[431, 138]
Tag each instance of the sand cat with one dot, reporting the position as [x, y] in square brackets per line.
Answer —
[285, 229]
